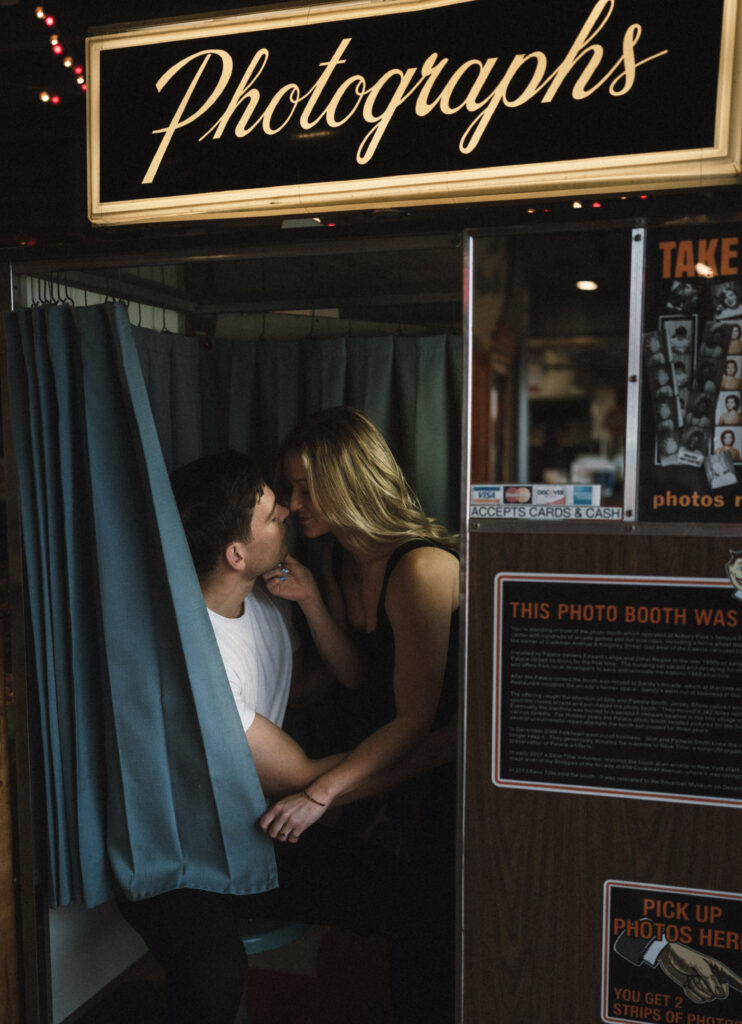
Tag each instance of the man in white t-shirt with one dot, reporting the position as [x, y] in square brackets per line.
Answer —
[257, 656]
[235, 531]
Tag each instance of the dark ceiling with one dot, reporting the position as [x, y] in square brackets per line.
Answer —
[42, 173]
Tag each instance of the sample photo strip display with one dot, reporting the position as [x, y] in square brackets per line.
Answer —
[693, 368]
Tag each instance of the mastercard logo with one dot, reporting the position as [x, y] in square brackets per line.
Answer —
[517, 495]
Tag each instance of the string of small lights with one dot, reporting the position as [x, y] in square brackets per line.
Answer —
[59, 49]
[577, 204]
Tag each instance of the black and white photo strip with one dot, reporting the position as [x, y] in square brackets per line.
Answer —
[665, 400]
[693, 366]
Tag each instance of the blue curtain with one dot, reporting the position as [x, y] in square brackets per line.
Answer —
[140, 734]
[248, 394]
[139, 730]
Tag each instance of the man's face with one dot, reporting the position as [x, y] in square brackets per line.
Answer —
[267, 546]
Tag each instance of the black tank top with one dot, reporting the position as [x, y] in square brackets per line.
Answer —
[374, 697]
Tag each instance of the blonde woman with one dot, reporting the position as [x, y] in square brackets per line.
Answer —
[385, 620]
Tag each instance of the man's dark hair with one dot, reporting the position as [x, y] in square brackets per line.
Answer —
[216, 497]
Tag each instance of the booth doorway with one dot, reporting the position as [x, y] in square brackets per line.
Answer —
[312, 292]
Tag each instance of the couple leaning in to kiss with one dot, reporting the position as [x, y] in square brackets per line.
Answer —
[362, 779]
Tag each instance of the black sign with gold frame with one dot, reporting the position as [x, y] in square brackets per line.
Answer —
[368, 104]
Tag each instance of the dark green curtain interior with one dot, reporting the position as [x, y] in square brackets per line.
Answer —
[139, 732]
[248, 394]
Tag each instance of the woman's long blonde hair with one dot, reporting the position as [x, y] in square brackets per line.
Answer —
[356, 484]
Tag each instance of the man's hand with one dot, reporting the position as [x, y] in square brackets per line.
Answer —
[701, 977]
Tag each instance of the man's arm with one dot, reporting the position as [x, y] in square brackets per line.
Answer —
[437, 749]
[281, 764]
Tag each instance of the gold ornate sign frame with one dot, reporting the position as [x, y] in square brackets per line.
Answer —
[708, 167]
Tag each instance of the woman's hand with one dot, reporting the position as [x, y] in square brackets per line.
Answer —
[291, 580]
[286, 819]
[294, 582]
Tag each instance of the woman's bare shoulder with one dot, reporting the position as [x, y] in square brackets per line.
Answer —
[422, 570]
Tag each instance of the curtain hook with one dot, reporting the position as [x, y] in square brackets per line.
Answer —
[120, 290]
